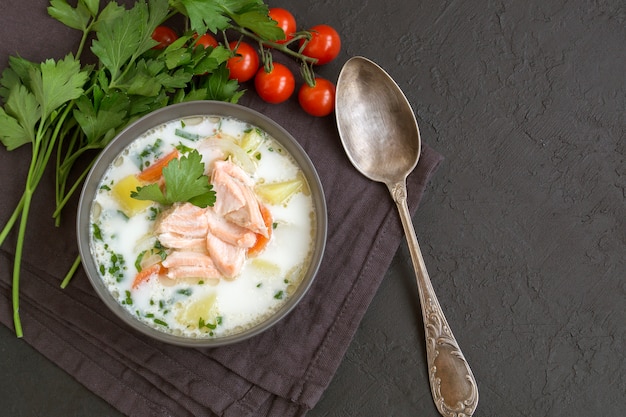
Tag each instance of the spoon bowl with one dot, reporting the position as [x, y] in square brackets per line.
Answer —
[372, 108]
[381, 138]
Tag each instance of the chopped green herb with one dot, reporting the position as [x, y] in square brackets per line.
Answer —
[97, 232]
[117, 266]
[183, 149]
[187, 135]
[160, 322]
[202, 324]
[185, 291]
[150, 154]
[279, 295]
[138, 261]
[154, 212]
[129, 299]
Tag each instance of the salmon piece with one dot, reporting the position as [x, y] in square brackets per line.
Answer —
[190, 264]
[228, 259]
[176, 241]
[235, 197]
[228, 192]
[229, 232]
[184, 219]
[183, 226]
[182, 272]
[234, 171]
[249, 216]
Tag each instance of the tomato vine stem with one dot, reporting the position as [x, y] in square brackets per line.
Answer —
[307, 62]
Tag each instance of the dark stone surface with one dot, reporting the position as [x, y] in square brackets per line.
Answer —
[522, 228]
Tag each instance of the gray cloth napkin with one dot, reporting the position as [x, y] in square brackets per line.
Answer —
[282, 372]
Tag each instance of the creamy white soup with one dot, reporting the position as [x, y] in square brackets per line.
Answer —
[207, 271]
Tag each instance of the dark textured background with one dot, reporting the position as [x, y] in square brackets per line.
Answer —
[522, 228]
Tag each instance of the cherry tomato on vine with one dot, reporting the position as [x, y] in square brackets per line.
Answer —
[318, 100]
[275, 86]
[165, 36]
[244, 64]
[285, 21]
[206, 40]
[324, 44]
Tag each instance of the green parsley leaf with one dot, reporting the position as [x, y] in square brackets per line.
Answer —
[125, 38]
[207, 15]
[219, 87]
[100, 121]
[56, 83]
[184, 182]
[22, 113]
[75, 17]
[262, 24]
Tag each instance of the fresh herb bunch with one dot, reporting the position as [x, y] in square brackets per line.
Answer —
[75, 109]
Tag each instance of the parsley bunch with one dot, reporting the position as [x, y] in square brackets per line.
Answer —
[72, 110]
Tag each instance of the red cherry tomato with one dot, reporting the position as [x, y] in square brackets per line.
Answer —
[318, 100]
[285, 21]
[165, 36]
[206, 40]
[244, 64]
[275, 86]
[324, 44]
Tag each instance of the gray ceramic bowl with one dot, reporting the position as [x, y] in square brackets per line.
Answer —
[190, 109]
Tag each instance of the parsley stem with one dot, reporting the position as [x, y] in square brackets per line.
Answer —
[42, 148]
[62, 201]
[83, 39]
[71, 272]
[11, 222]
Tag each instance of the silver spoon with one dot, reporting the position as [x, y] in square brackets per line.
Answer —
[380, 135]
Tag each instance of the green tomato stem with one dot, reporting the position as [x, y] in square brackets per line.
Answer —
[307, 62]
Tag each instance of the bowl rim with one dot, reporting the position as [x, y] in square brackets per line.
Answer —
[159, 117]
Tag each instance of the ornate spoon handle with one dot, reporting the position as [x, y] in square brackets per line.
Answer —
[452, 382]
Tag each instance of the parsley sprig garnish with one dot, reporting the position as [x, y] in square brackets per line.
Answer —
[184, 182]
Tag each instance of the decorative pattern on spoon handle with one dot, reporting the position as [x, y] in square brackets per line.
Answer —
[452, 382]
[446, 364]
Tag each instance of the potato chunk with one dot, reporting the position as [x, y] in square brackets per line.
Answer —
[121, 191]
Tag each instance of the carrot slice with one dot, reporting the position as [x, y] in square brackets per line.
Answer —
[262, 241]
[147, 273]
[154, 171]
